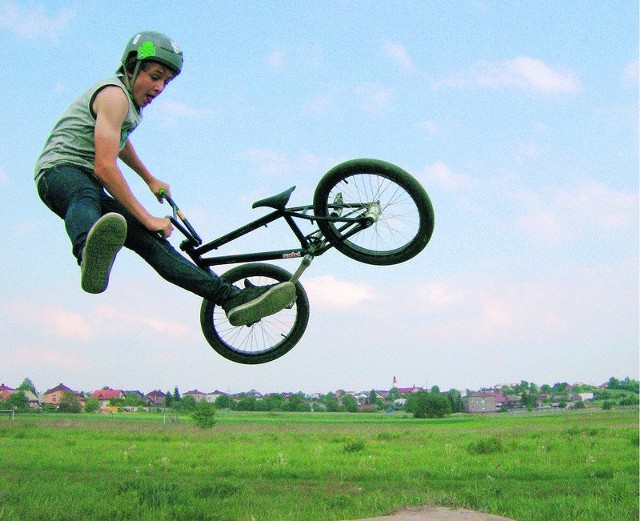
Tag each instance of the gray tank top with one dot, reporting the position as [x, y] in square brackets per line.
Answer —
[72, 142]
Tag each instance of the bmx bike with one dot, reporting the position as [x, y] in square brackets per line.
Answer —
[369, 210]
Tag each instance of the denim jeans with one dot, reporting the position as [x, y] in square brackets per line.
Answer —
[76, 196]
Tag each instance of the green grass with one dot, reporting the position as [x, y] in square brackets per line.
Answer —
[265, 466]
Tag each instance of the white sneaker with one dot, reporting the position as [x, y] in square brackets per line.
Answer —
[104, 240]
[256, 302]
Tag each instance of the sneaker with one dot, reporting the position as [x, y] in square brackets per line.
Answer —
[255, 302]
[104, 240]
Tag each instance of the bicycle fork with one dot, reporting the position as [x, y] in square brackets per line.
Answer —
[306, 262]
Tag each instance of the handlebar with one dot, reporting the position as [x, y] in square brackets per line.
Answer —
[187, 230]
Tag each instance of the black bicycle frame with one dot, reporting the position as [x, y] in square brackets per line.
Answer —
[311, 245]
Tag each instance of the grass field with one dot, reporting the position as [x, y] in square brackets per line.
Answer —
[287, 466]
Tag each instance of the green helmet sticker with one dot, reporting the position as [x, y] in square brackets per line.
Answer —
[146, 50]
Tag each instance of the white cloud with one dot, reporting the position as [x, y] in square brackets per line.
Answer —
[441, 175]
[327, 292]
[324, 104]
[33, 21]
[399, 54]
[478, 307]
[302, 57]
[270, 162]
[559, 214]
[46, 356]
[529, 149]
[107, 316]
[277, 59]
[544, 310]
[172, 108]
[430, 126]
[439, 295]
[54, 320]
[170, 112]
[522, 72]
[631, 73]
[276, 163]
[375, 99]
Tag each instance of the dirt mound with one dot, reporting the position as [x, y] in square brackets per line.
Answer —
[436, 514]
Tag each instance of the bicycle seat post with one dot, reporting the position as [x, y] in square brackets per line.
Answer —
[304, 264]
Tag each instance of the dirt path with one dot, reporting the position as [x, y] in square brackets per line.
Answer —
[436, 514]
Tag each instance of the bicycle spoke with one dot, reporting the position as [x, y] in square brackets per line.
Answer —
[399, 219]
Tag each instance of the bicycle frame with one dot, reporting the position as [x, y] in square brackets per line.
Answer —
[311, 245]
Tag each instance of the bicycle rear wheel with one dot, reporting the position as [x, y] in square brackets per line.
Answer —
[398, 206]
[265, 340]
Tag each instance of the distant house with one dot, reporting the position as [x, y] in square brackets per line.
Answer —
[5, 391]
[198, 396]
[34, 402]
[156, 398]
[513, 400]
[137, 394]
[212, 397]
[485, 401]
[583, 397]
[54, 396]
[104, 396]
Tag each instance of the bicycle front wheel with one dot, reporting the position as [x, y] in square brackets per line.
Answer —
[265, 340]
[398, 208]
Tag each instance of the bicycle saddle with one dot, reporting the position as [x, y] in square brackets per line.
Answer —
[277, 202]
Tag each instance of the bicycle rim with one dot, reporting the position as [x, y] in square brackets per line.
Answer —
[404, 221]
[269, 338]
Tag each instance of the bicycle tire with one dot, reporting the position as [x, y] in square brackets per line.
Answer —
[269, 338]
[405, 222]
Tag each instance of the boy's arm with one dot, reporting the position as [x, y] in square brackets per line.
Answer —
[111, 106]
[130, 158]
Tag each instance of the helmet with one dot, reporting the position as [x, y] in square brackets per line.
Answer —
[152, 45]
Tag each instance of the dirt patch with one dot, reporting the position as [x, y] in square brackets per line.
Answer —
[436, 514]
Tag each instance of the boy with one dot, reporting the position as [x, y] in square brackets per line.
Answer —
[78, 177]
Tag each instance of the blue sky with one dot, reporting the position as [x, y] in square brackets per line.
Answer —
[520, 119]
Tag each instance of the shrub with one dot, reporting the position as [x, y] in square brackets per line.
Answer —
[353, 445]
[91, 405]
[204, 415]
[428, 405]
[485, 446]
[629, 400]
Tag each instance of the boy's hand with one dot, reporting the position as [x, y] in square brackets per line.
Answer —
[161, 225]
[158, 187]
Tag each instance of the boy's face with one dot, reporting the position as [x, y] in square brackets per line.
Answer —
[151, 80]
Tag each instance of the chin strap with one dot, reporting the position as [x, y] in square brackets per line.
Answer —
[129, 82]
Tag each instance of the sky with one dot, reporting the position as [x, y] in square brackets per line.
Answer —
[519, 118]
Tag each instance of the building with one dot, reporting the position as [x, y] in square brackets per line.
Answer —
[104, 396]
[5, 391]
[54, 396]
[156, 398]
[198, 396]
[485, 401]
[405, 390]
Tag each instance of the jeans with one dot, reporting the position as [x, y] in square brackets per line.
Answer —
[76, 196]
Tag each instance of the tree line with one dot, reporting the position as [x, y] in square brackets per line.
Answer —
[422, 404]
